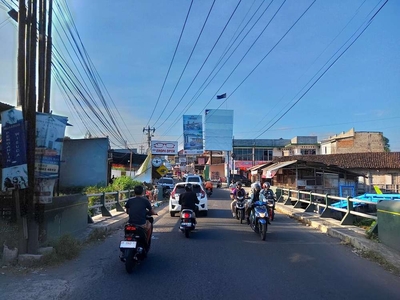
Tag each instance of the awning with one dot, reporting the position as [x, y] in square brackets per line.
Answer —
[271, 170]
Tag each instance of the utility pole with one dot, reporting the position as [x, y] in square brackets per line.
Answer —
[149, 132]
[141, 149]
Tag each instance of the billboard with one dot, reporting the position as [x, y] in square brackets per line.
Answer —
[218, 129]
[192, 134]
[164, 148]
[15, 168]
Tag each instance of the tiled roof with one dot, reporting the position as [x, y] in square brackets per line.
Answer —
[373, 160]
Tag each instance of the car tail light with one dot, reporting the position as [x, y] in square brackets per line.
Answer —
[173, 193]
[203, 194]
[186, 215]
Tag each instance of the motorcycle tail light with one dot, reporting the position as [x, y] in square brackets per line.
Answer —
[186, 215]
[130, 228]
[128, 238]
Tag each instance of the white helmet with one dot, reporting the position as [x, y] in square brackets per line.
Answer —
[266, 185]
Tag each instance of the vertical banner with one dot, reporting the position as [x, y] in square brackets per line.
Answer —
[193, 134]
[50, 130]
[15, 169]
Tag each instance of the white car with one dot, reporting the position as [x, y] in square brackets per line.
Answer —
[174, 206]
[194, 179]
[166, 181]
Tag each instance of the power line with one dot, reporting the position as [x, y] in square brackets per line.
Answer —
[172, 60]
[341, 54]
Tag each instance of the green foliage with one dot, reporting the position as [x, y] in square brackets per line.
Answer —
[124, 183]
[387, 145]
[67, 247]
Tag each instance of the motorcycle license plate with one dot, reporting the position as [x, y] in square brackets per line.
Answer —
[128, 244]
[186, 224]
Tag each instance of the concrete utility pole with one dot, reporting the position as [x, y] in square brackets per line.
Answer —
[149, 132]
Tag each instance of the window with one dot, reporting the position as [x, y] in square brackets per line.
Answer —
[263, 154]
[307, 152]
[243, 154]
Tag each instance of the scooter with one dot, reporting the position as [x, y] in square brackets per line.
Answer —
[270, 202]
[187, 221]
[259, 219]
[134, 247]
[240, 208]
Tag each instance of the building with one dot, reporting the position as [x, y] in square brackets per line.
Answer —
[302, 145]
[353, 142]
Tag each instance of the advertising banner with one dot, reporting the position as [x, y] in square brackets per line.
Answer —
[193, 134]
[15, 169]
[218, 129]
[164, 148]
[50, 131]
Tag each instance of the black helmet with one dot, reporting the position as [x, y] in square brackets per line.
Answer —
[188, 186]
[239, 183]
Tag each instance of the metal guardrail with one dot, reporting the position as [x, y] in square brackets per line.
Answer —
[107, 201]
[314, 201]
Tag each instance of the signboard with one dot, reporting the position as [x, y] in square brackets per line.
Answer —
[162, 170]
[218, 129]
[193, 134]
[15, 169]
[50, 130]
[164, 147]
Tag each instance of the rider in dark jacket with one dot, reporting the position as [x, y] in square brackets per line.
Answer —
[188, 199]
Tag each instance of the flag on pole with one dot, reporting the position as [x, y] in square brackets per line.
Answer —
[222, 96]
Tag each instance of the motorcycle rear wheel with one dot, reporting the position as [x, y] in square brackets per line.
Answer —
[187, 232]
[263, 231]
[129, 261]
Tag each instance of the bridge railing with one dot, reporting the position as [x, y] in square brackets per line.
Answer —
[323, 204]
[106, 201]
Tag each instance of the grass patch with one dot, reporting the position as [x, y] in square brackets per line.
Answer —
[65, 248]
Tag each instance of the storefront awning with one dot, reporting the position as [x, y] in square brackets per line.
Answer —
[271, 170]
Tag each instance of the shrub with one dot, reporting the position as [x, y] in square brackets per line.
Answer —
[67, 247]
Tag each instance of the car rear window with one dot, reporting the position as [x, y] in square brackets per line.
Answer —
[193, 179]
[181, 189]
[165, 180]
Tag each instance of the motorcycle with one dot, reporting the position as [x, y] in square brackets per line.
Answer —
[259, 218]
[209, 192]
[270, 202]
[240, 208]
[187, 221]
[134, 247]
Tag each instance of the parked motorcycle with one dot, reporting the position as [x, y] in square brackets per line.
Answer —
[240, 208]
[259, 218]
[134, 247]
[187, 221]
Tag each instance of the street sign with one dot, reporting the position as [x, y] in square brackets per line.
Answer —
[162, 170]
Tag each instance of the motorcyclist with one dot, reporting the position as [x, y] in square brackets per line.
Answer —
[138, 207]
[255, 196]
[209, 185]
[188, 199]
[237, 192]
[268, 193]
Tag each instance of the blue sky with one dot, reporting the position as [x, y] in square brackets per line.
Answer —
[131, 44]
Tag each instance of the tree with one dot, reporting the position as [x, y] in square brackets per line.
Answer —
[386, 144]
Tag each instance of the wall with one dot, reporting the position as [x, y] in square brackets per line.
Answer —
[65, 215]
[84, 162]
[362, 142]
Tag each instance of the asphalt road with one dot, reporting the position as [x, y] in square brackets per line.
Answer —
[226, 260]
